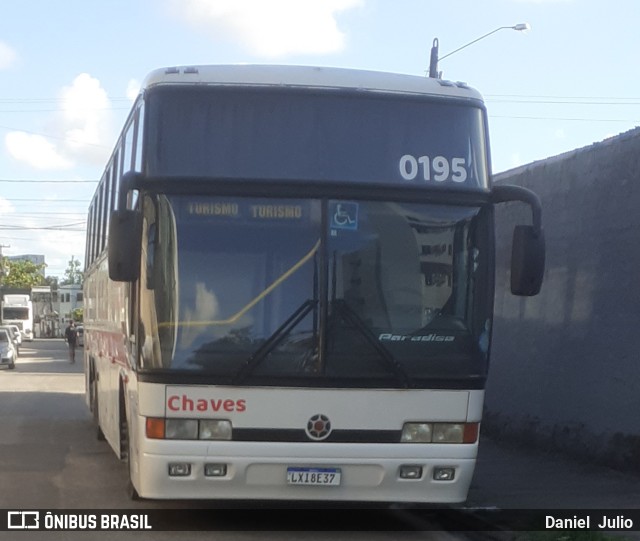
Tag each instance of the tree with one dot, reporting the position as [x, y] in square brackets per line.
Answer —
[22, 274]
[73, 274]
[51, 281]
[77, 315]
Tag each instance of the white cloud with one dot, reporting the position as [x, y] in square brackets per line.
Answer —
[274, 28]
[7, 56]
[35, 150]
[133, 88]
[86, 120]
[81, 132]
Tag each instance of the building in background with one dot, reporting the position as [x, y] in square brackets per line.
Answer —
[53, 305]
[70, 298]
[45, 312]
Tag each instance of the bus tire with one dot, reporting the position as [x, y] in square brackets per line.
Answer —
[132, 493]
[95, 408]
[12, 366]
[125, 448]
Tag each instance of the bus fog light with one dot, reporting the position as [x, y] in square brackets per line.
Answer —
[448, 432]
[215, 470]
[416, 433]
[409, 471]
[444, 474]
[179, 469]
[181, 429]
[214, 429]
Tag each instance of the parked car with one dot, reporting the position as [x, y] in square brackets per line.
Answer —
[15, 335]
[7, 350]
[16, 332]
[80, 334]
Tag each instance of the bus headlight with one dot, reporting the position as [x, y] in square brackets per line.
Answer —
[158, 428]
[188, 429]
[214, 429]
[448, 432]
[181, 429]
[416, 433]
[439, 433]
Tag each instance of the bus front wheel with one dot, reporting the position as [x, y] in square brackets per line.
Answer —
[132, 493]
[126, 450]
[95, 408]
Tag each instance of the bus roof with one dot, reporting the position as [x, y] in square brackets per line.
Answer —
[308, 77]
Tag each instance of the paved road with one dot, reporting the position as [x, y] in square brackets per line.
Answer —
[50, 459]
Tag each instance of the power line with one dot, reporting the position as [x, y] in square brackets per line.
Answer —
[555, 97]
[17, 219]
[544, 96]
[11, 199]
[53, 100]
[60, 227]
[21, 219]
[35, 181]
[563, 102]
[59, 110]
[69, 230]
[626, 120]
[40, 214]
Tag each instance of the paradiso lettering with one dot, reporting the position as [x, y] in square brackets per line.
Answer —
[185, 403]
[386, 337]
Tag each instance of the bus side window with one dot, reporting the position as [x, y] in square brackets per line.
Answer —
[152, 236]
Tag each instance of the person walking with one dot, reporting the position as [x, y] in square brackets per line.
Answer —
[71, 337]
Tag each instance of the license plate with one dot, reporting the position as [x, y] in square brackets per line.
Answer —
[314, 476]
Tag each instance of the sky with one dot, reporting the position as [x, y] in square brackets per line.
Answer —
[70, 69]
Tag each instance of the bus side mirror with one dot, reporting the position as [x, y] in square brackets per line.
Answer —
[527, 260]
[125, 237]
[528, 248]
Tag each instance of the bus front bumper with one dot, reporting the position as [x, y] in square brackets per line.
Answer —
[314, 472]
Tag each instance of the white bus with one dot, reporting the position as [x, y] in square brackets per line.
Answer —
[289, 285]
[18, 310]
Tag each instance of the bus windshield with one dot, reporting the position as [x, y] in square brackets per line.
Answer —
[15, 312]
[302, 136]
[314, 290]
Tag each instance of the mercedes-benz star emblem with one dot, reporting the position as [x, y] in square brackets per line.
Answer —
[318, 427]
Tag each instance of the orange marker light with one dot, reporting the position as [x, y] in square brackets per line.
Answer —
[155, 428]
[471, 432]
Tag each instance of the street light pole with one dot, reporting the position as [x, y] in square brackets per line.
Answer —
[433, 64]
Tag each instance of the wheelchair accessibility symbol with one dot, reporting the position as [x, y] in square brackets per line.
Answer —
[344, 216]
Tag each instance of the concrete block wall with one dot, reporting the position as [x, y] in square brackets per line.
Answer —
[565, 370]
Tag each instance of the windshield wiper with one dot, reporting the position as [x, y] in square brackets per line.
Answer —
[274, 340]
[350, 316]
